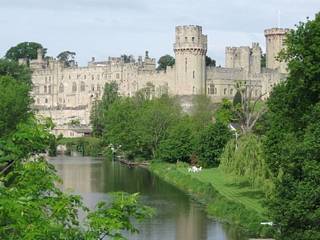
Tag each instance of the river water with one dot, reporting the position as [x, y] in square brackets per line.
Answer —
[178, 217]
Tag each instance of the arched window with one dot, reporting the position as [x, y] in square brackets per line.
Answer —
[212, 89]
[231, 91]
[225, 91]
[61, 88]
[92, 87]
[82, 87]
[74, 87]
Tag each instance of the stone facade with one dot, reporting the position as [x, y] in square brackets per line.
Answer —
[67, 93]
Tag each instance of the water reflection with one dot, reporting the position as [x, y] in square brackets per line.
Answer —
[178, 217]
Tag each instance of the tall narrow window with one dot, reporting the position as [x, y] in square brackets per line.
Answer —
[186, 64]
[194, 74]
[192, 39]
[225, 91]
[61, 88]
[45, 89]
[82, 86]
[74, 87]
[212, 88]
[49, 89]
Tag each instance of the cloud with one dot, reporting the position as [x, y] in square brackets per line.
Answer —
[111, 27]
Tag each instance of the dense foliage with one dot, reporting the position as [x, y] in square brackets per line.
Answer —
[25, 50]
[292, 143]
[165, 61]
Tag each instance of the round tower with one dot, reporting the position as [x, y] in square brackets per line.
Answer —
[190, 51]
[275, 43]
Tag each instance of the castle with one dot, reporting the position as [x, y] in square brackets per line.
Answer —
[67, 93]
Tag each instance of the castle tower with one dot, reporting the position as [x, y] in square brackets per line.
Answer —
[40, 54]
[190, 50]
[255, 58]
[275, 43]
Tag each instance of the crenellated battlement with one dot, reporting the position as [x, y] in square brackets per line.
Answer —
[276, 31]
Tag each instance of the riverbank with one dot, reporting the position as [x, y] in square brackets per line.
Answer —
[226, 198]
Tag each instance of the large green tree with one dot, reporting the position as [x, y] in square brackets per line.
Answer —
[165, 61]
[20, 73]
[26, 50]
[292, 142]
[100, 107]
[67, 58]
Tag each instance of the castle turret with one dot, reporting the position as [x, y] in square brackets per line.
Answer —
[255, 58]
[190, 49]
[275, 43]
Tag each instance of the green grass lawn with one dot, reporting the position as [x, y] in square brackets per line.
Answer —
[233, 188]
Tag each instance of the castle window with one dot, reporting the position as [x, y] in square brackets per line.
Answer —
[45, 79]
[186, 39]
[69, 76]
[192, 39]
[82, 87]
[194, 74]
[92, 77]
[49, 89]
[74, 87]
[98, 88]
[46, 100]
[231, 91]
[211, 89]
[225, 91]
[61, 88]
[49, 78]
[92, 87]
[45, 89]
[186, 65]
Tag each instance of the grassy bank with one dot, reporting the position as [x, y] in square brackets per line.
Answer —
[227, 198]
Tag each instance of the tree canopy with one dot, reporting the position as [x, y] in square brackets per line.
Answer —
[67, 58]
[165, 61]
[26, 50]
[292, 141]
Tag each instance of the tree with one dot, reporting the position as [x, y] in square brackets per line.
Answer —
[26, 50]
[210, 143]
[210, 62]
[264, 60]
[165, 61]
[67, 58]
[292, 137]
[20, 73]
[250, 109]
[178, 145]
[100, 107]
[14, 104]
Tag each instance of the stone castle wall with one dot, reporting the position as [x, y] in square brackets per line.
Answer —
[67, 93]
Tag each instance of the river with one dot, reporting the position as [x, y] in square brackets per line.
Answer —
[178, 217]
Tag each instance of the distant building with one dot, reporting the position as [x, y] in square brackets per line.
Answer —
[67, 93]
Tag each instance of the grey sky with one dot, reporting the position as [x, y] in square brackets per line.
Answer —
[104, 28]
